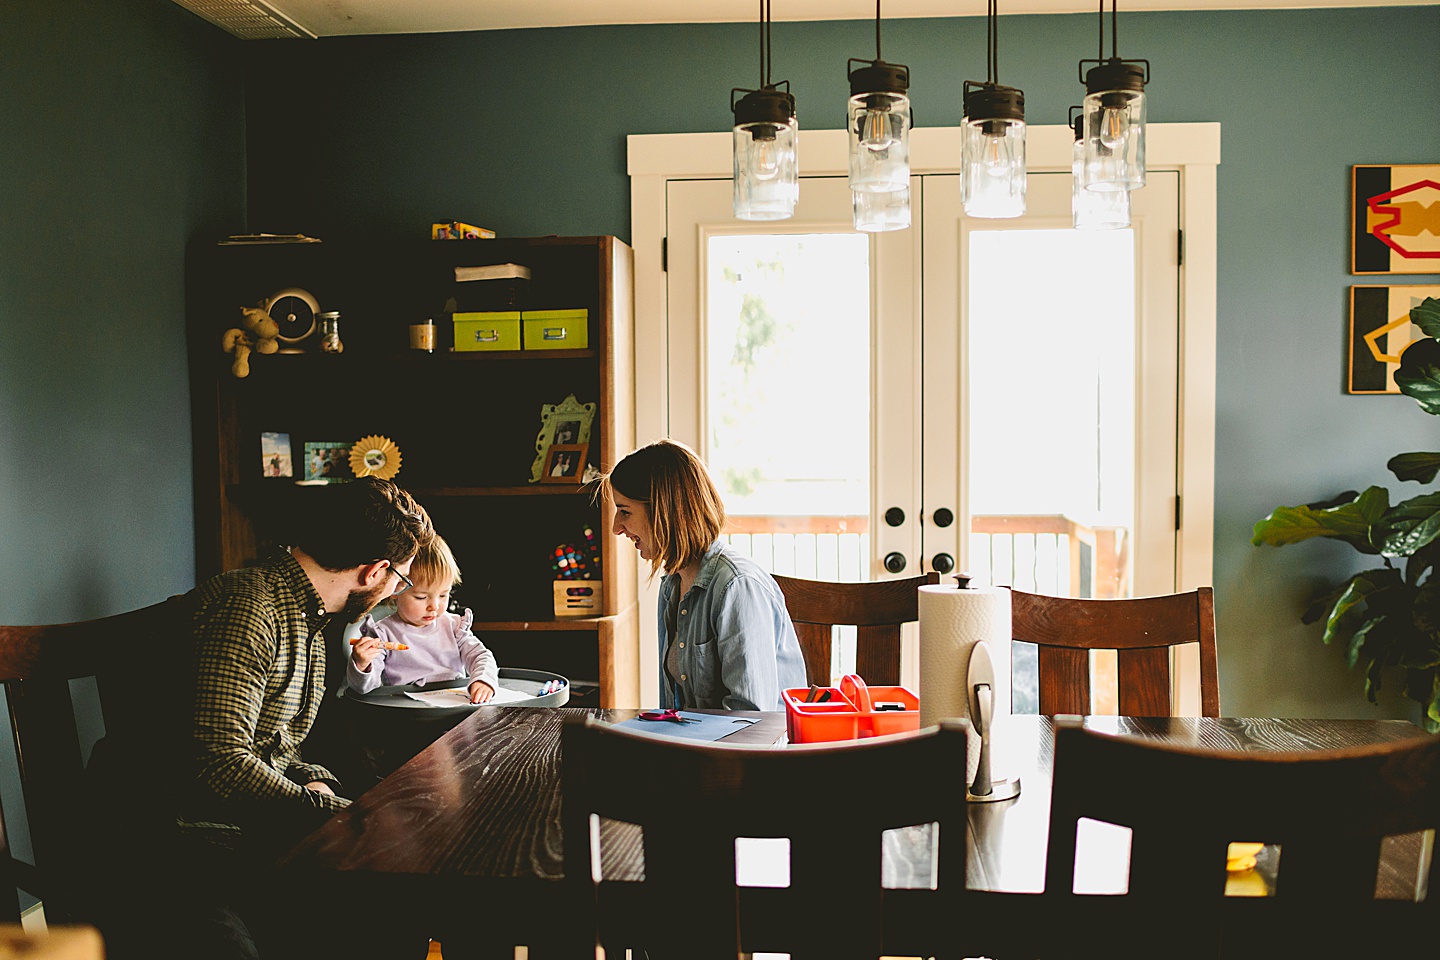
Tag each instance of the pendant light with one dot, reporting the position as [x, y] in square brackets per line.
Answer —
[878, 123]
[992, 145]
[767, 174]
[1114, 115]
[1093, 209]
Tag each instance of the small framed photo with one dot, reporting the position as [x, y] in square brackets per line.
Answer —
[565, 463]
[327, 461]
[562, 424]
[275, 455]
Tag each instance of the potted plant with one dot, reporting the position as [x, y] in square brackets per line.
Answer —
[1389, 616]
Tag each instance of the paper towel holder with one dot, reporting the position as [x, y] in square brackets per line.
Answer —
[980, 689]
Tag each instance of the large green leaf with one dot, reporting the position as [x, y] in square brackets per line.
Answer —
[1427, 317]
[1410, 525]
[1354, 522]
[1415, 466]
[1345, 616]
[1419, 373]
[1358, 641]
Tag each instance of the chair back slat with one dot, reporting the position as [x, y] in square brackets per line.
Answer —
[1143, 676]
[1141, 630]
[1064, 680]
[876, 608]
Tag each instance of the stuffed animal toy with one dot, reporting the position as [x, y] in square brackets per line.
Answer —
[258, 334]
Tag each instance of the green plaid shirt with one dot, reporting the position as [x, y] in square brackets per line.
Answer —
[259, 682]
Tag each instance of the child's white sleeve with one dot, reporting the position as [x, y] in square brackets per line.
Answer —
[370, 679]
[478, 659]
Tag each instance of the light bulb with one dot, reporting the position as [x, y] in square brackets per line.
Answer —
[875, 132]
[1114, 126]
[992, 156]
[767, 153]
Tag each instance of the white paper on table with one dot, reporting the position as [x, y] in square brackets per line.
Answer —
[460, 696]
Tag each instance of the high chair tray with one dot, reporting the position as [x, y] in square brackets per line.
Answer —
[518, 688]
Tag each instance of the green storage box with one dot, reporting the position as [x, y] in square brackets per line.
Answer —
[556, 329]
[491, 330]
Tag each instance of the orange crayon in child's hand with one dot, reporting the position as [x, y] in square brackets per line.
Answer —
[387, 644]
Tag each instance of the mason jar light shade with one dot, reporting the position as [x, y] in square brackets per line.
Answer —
[879, 212]
[992, 151]
[1096, 209]
[767, 172]
[878, 127]
[1114, 112]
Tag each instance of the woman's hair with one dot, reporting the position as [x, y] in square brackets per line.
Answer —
[435, 564]
[686, 513]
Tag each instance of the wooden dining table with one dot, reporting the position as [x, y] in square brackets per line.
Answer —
[475, 817]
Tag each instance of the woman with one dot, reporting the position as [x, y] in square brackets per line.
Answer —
[726, 640]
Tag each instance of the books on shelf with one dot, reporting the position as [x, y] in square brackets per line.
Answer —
[494, 271]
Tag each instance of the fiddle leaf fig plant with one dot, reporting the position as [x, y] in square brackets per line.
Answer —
[1387, 617]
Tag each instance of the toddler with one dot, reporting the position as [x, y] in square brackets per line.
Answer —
[420, 640]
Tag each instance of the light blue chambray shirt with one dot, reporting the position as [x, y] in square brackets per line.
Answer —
[735, 646]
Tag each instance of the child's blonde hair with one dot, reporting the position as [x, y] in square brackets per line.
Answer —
[435, 564]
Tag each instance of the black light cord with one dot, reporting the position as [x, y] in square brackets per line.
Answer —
[992, 47]
[877, 31]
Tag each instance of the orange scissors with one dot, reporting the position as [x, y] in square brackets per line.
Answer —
[672, 715]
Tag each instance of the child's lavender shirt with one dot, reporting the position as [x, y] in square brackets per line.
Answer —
[442, 650]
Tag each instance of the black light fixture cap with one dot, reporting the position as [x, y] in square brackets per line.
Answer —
[993, 101]
[878, 77]
[766, 105]
[1115, 74]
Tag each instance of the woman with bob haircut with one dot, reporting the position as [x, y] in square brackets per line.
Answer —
[726, 640]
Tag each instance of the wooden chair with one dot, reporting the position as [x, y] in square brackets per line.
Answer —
[831, 801]
[1327, 812]
[36, 665]
[876, 608]
[1142, 631]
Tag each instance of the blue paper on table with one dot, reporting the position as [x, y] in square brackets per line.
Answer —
[708, 726]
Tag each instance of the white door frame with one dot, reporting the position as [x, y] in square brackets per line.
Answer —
[1192, 149]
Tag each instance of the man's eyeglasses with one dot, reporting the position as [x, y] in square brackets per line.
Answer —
[405, 582]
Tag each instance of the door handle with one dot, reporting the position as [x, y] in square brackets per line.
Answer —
[942, 563]
[894, 562]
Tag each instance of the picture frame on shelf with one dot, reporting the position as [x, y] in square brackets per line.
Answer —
[275, 455]
[565, 463]
[327, 461]
[569, 419]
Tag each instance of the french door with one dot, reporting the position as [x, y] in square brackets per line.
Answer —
[1000, 397]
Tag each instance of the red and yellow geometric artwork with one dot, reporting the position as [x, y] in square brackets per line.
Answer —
[1396, 219]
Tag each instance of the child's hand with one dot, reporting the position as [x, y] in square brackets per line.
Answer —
[364, 652]
[480, 691]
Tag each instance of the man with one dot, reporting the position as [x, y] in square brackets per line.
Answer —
[245, 695]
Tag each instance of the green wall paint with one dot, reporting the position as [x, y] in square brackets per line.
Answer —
[121, 138]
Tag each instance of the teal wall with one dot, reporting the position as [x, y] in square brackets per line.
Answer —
[133, 128]
[524, 131]
[121, 138]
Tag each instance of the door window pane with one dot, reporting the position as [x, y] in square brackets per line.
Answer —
[787, 414]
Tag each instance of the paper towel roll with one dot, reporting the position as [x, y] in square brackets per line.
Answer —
[952, 621]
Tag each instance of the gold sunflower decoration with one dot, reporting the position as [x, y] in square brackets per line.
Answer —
[375, 457]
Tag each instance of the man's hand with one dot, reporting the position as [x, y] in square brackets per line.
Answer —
[480, 691]
[320, 786]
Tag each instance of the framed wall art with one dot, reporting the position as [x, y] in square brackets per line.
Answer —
[1395, 218]
[1380, 330]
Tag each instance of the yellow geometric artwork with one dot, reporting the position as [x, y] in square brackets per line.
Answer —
[1380, 332]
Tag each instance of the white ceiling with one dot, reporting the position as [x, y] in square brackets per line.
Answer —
[332, 18]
